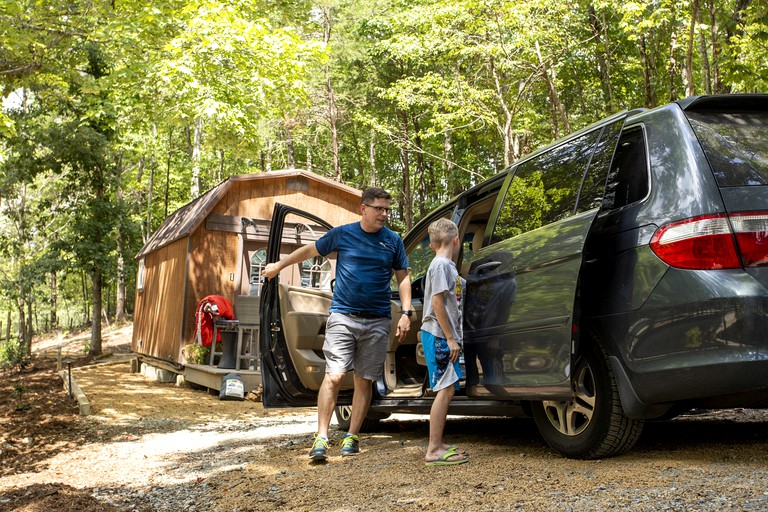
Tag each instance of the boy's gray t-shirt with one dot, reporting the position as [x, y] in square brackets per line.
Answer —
[442, 277]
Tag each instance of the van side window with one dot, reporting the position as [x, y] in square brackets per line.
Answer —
[628, 177]
[544, 189]
[593, 189]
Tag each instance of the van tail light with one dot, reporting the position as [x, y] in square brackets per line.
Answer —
[751, 229]
[713, 242]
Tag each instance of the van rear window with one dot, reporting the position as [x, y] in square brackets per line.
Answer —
[736, 145]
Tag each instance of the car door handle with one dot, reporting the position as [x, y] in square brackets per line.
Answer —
[488, 266]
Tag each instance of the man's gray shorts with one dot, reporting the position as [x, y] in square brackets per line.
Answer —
[355, 343]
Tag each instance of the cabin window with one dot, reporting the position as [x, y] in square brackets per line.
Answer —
[258, 262]
[140, 276]
[316, 273]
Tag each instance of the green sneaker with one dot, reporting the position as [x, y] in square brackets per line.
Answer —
[350, 445]
[319, 448]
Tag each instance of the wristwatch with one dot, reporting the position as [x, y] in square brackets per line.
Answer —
[407, 312]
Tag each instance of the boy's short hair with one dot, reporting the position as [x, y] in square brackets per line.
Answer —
[442, 231]
[372, 193]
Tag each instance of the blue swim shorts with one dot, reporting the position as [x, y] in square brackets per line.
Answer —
[442, 372]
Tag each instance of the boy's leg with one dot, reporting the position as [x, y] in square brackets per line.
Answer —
[437, 416]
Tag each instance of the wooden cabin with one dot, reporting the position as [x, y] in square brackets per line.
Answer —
[215, 245]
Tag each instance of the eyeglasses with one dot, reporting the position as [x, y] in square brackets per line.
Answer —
[379, 209]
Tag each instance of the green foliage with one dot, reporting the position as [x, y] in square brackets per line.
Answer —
[19, 389]
[99, 144]
[196, 354]
[13, 355]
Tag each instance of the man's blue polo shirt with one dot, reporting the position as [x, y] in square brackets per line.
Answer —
[363, 267]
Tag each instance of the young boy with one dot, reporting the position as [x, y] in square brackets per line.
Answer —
[441, 335]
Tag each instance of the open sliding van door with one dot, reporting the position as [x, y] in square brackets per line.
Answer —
[294, 310]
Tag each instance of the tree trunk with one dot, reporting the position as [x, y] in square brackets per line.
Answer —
[8, 326]
[420, 169]
[196, 146]
[407, 207]
[333, 112]
[30, 327]
[120, 278]
[22, 326]
[690, 88]
[309, 153]
[167, 174]
[148, 228]
[86, 310]
[448, 168]
[603, 56]
[121, 288]
[95, 347]
[734, 28]
[647, 70]
[558, 112]
[291, 159]
[673, 65]
[704, 56]
[372, 158]
[359, 158]
[54, 301]
[504, 128]
[715, 47]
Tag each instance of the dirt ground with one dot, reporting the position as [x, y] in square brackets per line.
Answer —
[151, 446]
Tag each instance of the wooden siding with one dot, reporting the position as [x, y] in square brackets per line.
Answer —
[212, 260]
[176, 281]
[158, 317]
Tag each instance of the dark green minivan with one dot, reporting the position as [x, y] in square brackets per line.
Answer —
[617, 275]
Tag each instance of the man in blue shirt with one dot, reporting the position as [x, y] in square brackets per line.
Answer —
[357, 331]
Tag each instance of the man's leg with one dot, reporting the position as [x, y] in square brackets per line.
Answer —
[361, 400]
[326, 401]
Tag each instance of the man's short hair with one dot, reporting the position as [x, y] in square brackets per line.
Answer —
[442, 231]
[372, 193]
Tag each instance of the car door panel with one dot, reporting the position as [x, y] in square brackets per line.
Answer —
[293, 318]
[304, 313]
[520, 304]
[521, 289]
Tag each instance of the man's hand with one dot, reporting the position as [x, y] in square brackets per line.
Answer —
[270, 271]
[403, 326]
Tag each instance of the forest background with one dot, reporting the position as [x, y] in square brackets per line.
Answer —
[116, 113]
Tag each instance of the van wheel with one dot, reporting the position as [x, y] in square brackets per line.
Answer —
[344, 418]
[592, 424]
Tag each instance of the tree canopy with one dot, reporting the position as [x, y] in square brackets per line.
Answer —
[115, 114]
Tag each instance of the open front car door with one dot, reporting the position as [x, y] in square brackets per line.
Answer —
[294, 310]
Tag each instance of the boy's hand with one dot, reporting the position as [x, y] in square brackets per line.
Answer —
[454, 348]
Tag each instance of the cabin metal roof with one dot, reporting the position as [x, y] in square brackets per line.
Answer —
[186, 219]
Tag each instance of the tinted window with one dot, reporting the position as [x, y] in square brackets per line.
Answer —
[628, 177]
[593, 189]
[544, 189]
[735, 146]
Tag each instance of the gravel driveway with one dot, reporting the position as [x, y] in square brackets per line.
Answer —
[158, 447]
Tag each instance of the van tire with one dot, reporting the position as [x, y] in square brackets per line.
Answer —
[344, 419]
[592, 424]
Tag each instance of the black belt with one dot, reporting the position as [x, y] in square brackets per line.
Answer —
[365, 314]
